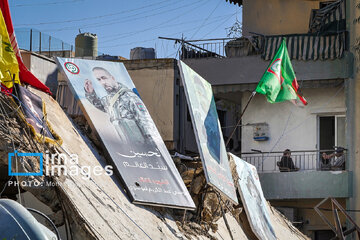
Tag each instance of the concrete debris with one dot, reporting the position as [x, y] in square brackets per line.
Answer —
[205, 197]
[208, 213]
[98, 208]
[282, 227]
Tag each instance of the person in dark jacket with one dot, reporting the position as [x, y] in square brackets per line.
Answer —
[286, 163]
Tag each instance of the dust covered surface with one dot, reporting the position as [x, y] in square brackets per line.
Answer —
[98, 208]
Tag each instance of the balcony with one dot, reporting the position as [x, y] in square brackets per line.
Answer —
[308, 46]
[220, 48]
[321, 54]
[304, 160]
[240, 63]
[312, 181]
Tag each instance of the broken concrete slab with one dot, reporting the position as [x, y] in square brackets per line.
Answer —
[100, 205]
[98, 208]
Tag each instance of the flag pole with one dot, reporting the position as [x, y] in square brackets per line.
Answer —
[242, 113]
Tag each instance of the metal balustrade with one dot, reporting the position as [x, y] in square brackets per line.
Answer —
[307, 160]
[208, 48]
[44, 44]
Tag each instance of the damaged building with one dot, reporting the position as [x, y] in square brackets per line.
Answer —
[320, 36]
[322, 43]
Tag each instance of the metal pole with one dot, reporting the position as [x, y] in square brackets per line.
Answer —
[49, 45]
[62, 48]
[305, 161]
[339, 232]
[182, 51]
[225, 220]
[238, 123]
[30, 40]
[223, 48]
[219, 47]
[40, 42]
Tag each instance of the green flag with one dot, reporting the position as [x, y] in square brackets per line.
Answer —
[279, 81]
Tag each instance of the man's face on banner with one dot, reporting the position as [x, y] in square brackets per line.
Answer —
[105, 79]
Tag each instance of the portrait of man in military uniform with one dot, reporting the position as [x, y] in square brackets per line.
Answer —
[125, 108]
[130, 141]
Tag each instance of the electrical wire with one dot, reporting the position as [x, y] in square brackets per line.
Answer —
[220, 1]
[48, 219]
[91, 18]
[177, 52]
[129, 43]
[123, 20]
[276, 143]
[222, 23]
[4, 114]
[158, 26]
[148, 40]
[326, 104]
[6, 184]
[285, 133]
[45, 4]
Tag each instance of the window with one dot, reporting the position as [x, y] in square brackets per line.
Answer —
[323, 234]
[331, 132]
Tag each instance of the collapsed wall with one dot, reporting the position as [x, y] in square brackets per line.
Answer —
[98, 208]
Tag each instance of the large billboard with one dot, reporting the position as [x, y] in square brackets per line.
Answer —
[207, 130]
[113, 107]
[253, 200]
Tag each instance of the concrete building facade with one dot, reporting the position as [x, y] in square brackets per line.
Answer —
[330, 119]
[44, 68]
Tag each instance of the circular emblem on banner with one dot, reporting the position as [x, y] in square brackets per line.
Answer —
[275, 68]
[72, 68]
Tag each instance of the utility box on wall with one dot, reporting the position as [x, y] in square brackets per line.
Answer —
[261, 132]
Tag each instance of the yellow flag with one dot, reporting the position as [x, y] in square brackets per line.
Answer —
[8, 62]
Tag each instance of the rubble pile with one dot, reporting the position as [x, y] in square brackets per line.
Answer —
[209, 212]
[100, 209]
[208, 206]
[16, 134]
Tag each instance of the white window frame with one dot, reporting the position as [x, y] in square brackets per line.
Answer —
[336, 121]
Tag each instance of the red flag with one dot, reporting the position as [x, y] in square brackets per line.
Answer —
[25, 75]
[4, 89]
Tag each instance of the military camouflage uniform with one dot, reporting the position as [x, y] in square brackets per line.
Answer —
[127, 113]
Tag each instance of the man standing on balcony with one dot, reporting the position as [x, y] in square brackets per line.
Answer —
[286, 163]
[337, 159]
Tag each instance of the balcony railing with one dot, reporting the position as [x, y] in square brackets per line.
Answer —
[307, 46]
[218, 48]
[44, 44]
[310, 160]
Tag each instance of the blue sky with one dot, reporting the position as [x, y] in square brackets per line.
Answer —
[121, 25]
